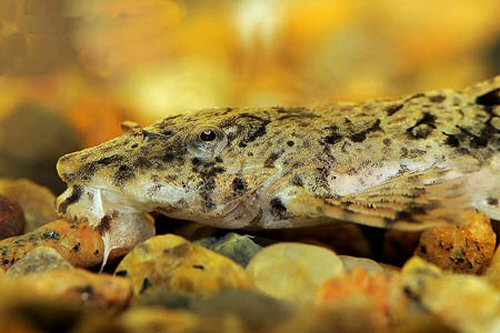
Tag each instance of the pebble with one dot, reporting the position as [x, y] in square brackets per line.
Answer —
[293, 271]
[80, 244]
[464, 248]
[173, 264]
[12, 220]
[463, 302]
[39, 260]
[176, 321]
[353, 315]
[71, 286]
[36, 201]
[376, 287]
[237, 247]
[251, 307]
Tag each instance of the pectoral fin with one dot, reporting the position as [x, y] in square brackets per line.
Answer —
[410, 202]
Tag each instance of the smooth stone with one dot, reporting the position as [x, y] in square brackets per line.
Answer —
[12, 220]
[237, 247]
[74, 287]
[36, 201]
[140, 319]
[378, 288]
[463, 302]
[293, 271]
[466, 248]
[354, 315]
[251, 307]
[39, 260]
[351, 263]
[170, 263]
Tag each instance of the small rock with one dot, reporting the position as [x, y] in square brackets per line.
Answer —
[250, 307]
[11, 218]
[464, 248]
[239, 248]
[149, 320]
[36, 201]
[80, 244]
[171, 263]
[351, 263]
[353, 315]
[463, 302]
[39, 260]
[377, 287]
[293, 271]
[74, 287]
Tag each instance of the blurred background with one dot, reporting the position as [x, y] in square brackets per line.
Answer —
[72, 70]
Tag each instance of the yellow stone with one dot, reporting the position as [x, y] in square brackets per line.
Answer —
[293, 271]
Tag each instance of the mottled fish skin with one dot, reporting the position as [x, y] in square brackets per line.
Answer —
[386, 163]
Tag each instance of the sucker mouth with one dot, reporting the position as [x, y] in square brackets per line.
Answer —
[80, 203]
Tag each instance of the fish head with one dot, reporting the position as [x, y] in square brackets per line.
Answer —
[205, 167]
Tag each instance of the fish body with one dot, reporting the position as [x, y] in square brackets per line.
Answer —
[405, 163]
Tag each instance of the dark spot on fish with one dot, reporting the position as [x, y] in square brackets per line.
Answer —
[269, 162]
[146, 284]
[109, 160]
[51, 234]
[492, 201]
[143, 162]
[278, 209]
[105, 224]
[135, 145]
[297, 181]
[409, 214]
[422, 127]
[423, 249]
[361, 136]
[148, 135]
[392, 109]
[219, 159]
[290, 143]
[122, 273]
[256, 127]
[451, 140]
[437, 98]
[387, 141]
[415, 96]
[123, 174]
[239, 185]
[96, 253]
[76, 193]
[490, 98]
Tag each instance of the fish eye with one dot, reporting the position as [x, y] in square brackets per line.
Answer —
[207, 142]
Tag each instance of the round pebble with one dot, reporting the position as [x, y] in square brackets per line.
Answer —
[173, 264]
[293, 271]
[239, 248]
[464, 248]
[11, 218]
[39, 260]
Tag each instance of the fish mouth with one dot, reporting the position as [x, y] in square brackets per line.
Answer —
[83, 203]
